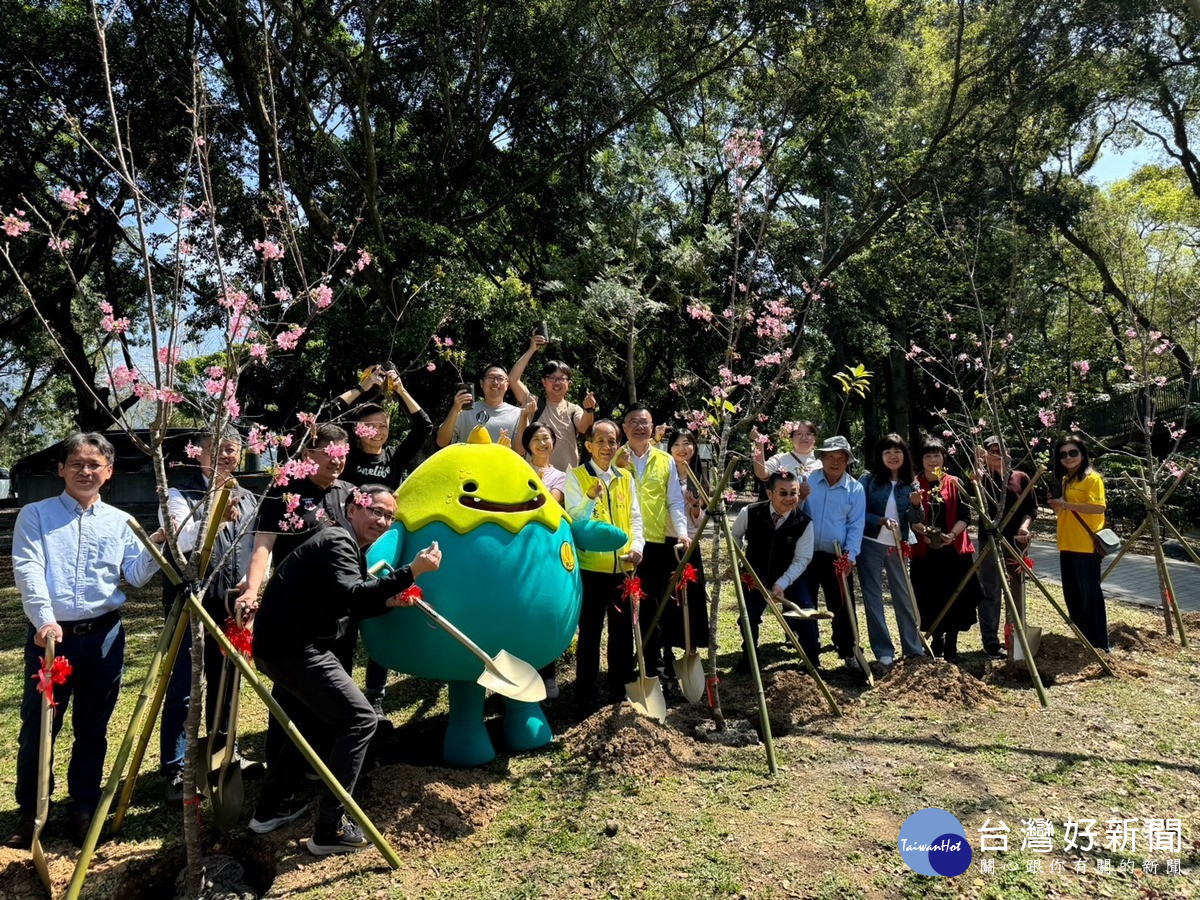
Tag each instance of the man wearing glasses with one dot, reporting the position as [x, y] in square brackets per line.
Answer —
[491, 411]
[298, 630]
[779, 547]
[69, 554]
[566, 419]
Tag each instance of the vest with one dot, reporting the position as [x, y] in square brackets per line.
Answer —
[652, 495]
[615, 506]
[232, 548]
[769, 549]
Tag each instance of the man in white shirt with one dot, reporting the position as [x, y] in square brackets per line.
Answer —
[567, 420]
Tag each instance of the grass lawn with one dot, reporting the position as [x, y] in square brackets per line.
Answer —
[621, 806]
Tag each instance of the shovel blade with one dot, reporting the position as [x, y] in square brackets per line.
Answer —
[691, 676]
[647, 698]
[514, 678]
[861, 658]
[228, 796]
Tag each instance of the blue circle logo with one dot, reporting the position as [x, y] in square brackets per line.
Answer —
[933, 842]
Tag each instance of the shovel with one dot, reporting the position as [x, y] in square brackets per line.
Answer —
[912, 596]
[859, 656]
[45, 748]
[225, 784]
[645, 693]
[503, 674]
[689, 670]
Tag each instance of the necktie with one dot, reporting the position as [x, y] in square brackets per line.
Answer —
[775, 518]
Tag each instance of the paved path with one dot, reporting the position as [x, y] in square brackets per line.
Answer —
[1134, 580]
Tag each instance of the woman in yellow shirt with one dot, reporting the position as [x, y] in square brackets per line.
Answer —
[1080, 508]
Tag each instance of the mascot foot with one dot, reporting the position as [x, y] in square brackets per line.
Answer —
[525, 726]
[467, 742]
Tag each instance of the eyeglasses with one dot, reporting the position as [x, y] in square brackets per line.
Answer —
[87, 467]
[378, 513]
[1069, 454]
[787, 493]
[495, 378]
[556, 379]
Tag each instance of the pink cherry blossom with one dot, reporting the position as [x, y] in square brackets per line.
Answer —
[287, 340]
[323, 296]
[59, 245]
[430, 366]
[308, 420]
[283, 295]
[1084, 366]
[169, 356]
[258, 352]
[15, 223]
[269, 250]
[365, 431]
[337, 450]
[73, 201]
[1048, 417]
[192, 451]
[122, 377]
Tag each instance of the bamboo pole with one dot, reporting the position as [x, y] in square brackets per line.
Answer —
[1063, 614]
[740, 559]
[1146, 521]
[983, 554]
[289, 727]
[749, 648]
[160, 691]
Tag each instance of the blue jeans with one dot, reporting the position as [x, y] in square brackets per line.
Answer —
[873, 560]
[93, 686]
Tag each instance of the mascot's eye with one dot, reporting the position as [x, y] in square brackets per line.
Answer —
[470, 487]
[532, 485]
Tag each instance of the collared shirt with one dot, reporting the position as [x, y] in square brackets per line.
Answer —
[799, 465]
[579, 506]
[188, 519]
[838, 511]
[801, 557]
[68, 560]
[677, 525]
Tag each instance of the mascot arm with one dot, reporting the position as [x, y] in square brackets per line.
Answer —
[597, 537]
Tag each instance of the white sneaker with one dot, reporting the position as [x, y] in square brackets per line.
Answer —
[886, 661]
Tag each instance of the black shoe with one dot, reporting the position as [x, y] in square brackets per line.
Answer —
[22, 838]
[78, 824]
[173, 792]
[340, 837]
[377, 706]
[268, 819]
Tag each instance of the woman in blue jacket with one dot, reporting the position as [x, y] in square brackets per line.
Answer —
[893, 502]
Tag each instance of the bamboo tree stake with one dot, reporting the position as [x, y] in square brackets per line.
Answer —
[1016, 615]
[289, 727]
[983, 554]
[1146, 523]
[1063, 614]
[114, 777]
[749, 648]
[741, 560]
[1154, 517]
[139, 751]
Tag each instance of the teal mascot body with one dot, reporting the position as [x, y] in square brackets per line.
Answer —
[509, 579]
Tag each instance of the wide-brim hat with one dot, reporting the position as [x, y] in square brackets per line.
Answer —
[834, 444]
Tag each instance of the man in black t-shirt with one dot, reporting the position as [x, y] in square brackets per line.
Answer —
[371, 459]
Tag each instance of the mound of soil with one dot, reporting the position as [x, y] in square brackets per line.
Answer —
[417, 806]
[1140, 640]
[623, 742]
[1063, 659]
[794, 700]
[924, 682]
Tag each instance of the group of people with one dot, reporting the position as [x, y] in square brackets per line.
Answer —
[294, 566]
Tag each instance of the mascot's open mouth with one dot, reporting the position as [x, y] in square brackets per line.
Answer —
[489, 506]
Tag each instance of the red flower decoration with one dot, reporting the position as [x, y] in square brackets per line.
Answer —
[686, 577]
[748, 581]
[410, 595]
[47, 677]
[842, 565]
[242, 638]
[1029, 563]
[907, 549]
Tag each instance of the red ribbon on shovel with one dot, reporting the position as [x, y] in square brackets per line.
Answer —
[47, 677]
[241, 637]
[842, 565]
[686, 577]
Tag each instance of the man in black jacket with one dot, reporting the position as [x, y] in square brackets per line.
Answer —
[779, 547]
[304, 612]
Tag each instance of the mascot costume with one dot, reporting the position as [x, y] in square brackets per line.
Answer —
[509, 579]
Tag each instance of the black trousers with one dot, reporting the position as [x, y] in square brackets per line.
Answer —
[601, 601]
[820, 576]
[315, 690]
[1083, 595]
